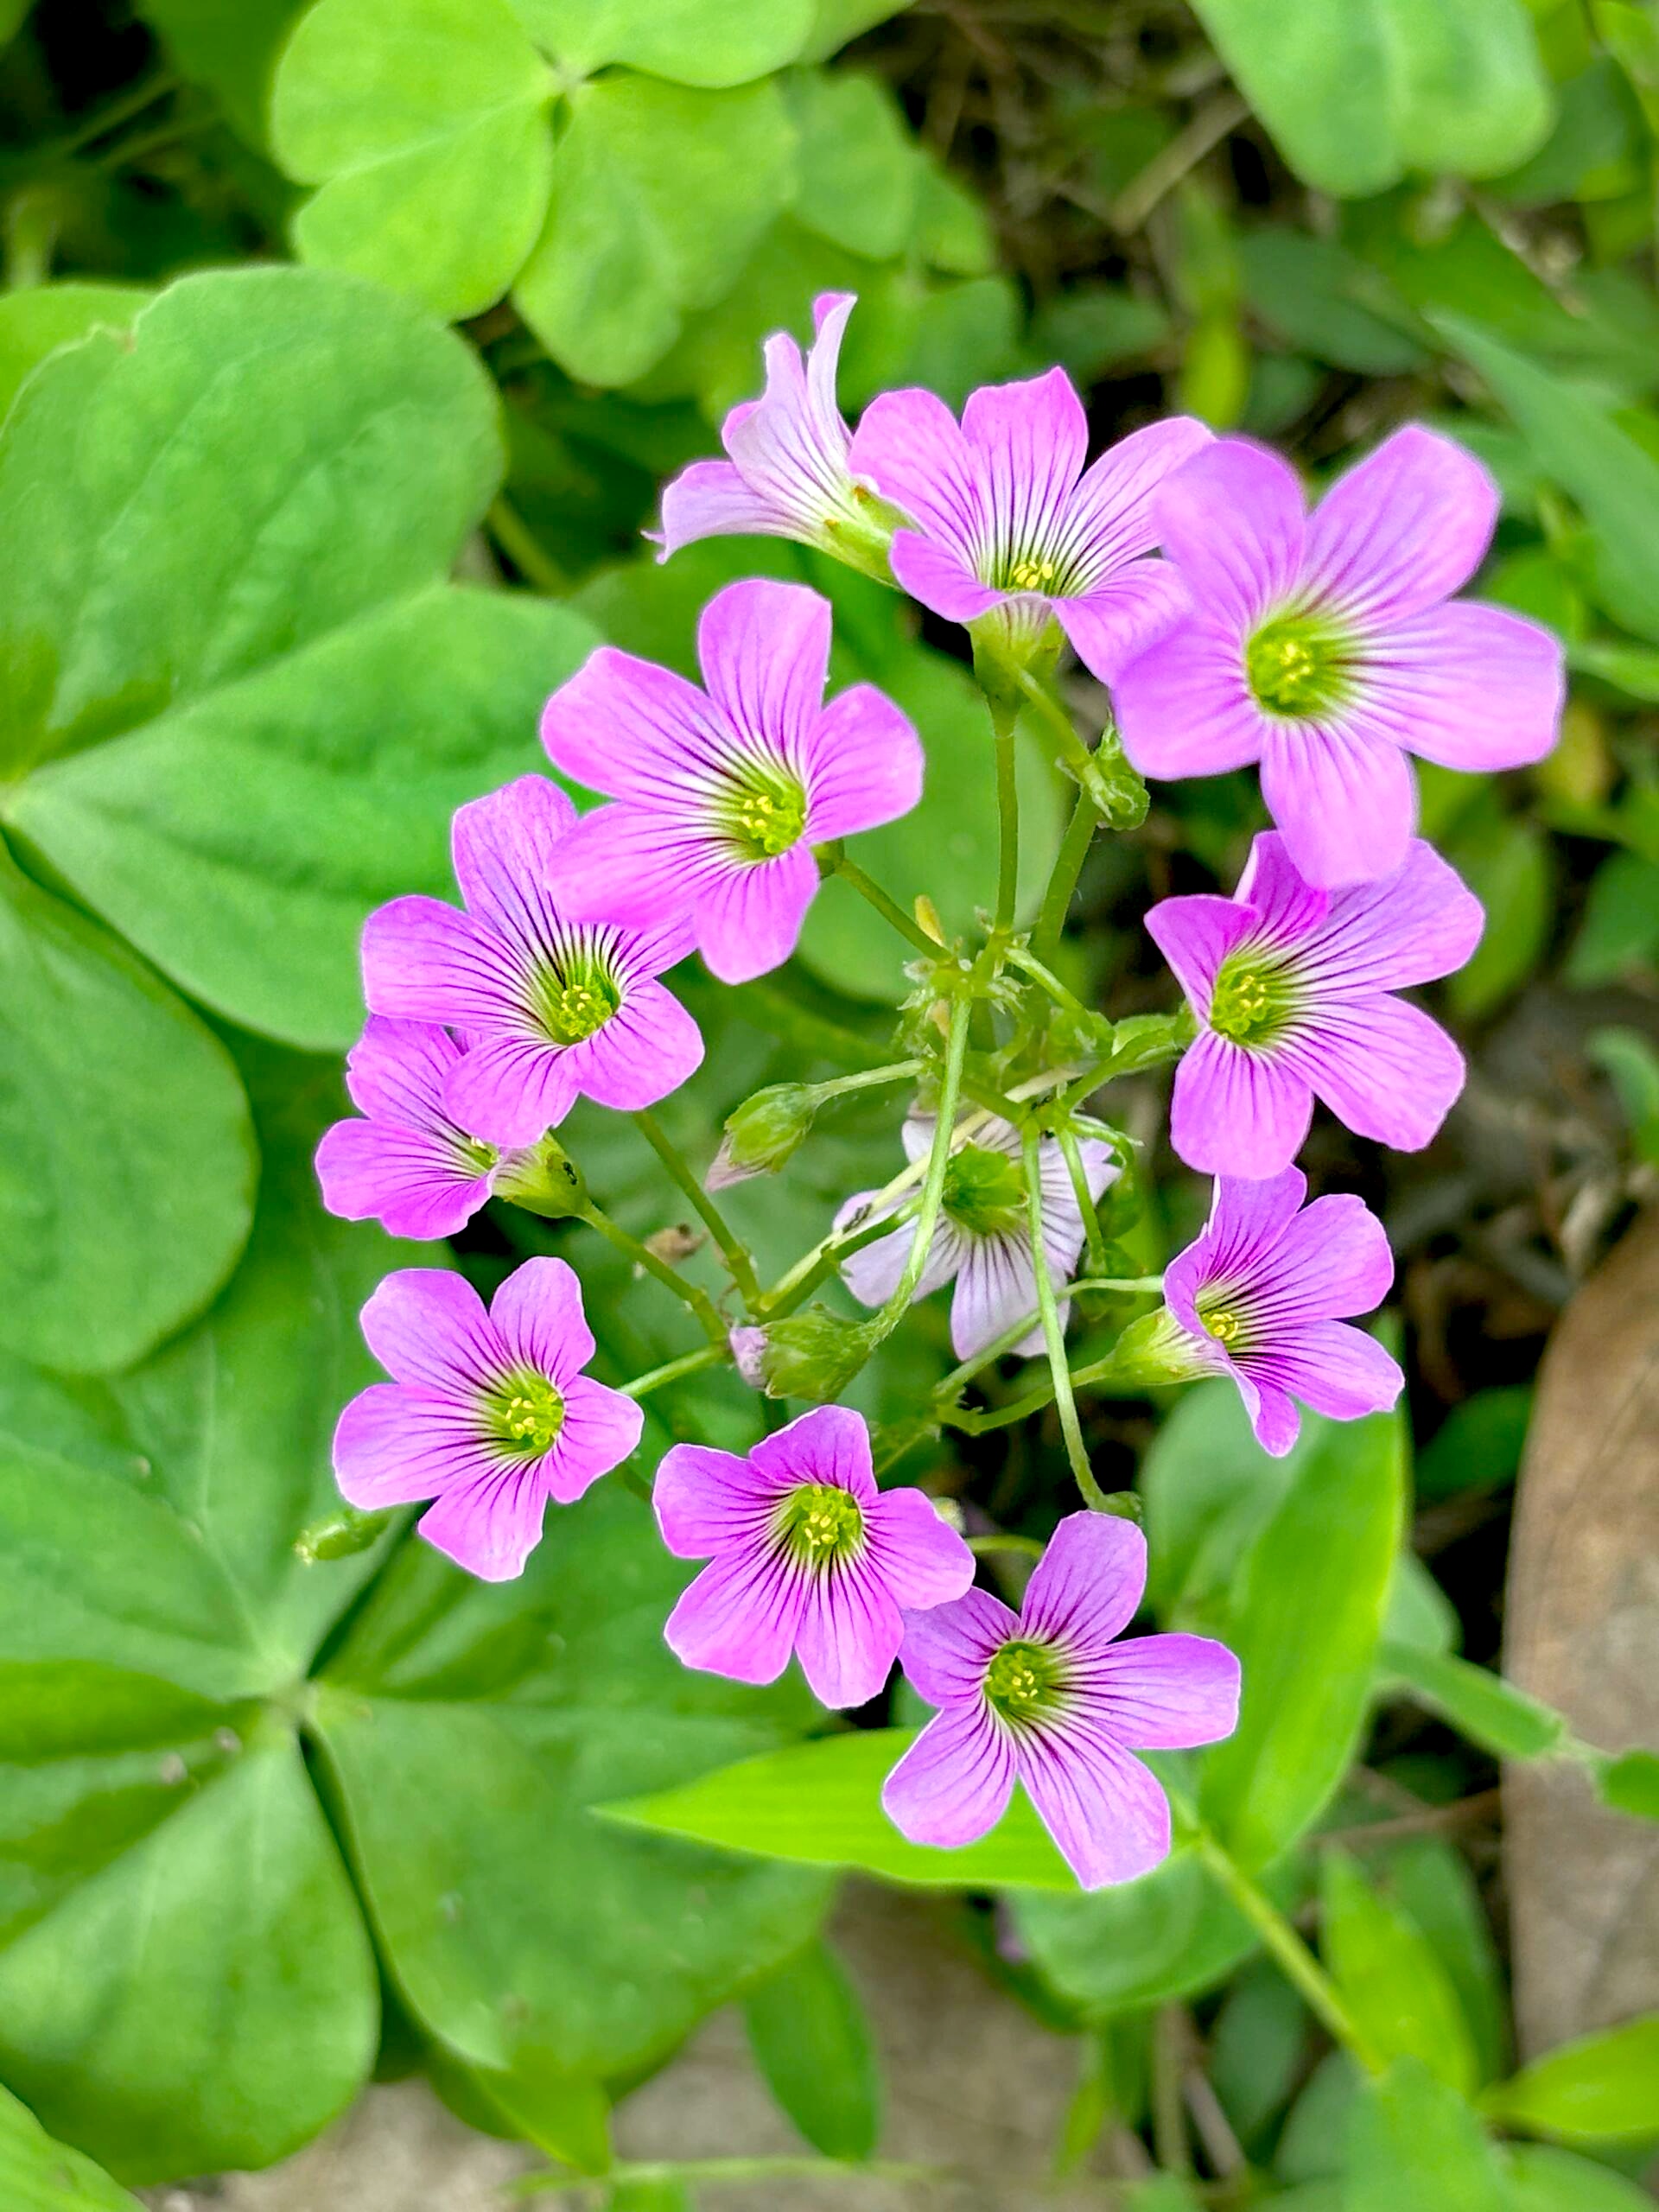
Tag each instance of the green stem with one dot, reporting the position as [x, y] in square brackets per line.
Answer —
[939, 1159]
[1094, 1237]
[1063, 880]
[898, 1072]
[1285, 1947]
[133, 101]
[671, 1280]
[889, 909]
[1072, 750]
[793, 1289]
[1028, 963]
[1007, 817]
[738, 1262]
[519, 542]
[688, 1362]
[1053, 1336]
[987, 1547]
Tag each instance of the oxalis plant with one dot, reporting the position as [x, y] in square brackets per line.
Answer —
[1231, 627]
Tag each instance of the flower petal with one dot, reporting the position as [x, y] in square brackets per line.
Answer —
[632, 862]
[393, 1445]
[1332, 1260]
[764, 648]
[491, 1525]
[1383, 1068]
[849, 1635]
[831, 1443]
[413, 1182]
[425, 962]
[1471, 686]
[939, 576]
[427, 1327]
[1274, 1415]
[1087, 1585]
[911, 447]
[508, 1091]
[1184, 706]
[740, 1616]
[1404, 528]
[1112, 515]
[922, 1559]
[711, 500]
[1114, 624]
[1248, 1217]
[707, 1501]
[395, 1071]
[1195, 934]
[1287, 907]
[647, 1049]
[748, 919]
[863, 765]
[626, 728]
[1345, 802]
[1238, 1112]
[948, 1648]
[1331, 1366]
[1102, 1806]
[1233, 520]
[502, 845]
[1166, 1693]
[1410, 927]
[538, 1312]
[954, 1783]
[996, 1285]
[1030, 439]
[600, 1429]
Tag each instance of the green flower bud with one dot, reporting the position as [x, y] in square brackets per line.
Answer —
[1116, 787]
[762, 1133]
[543, 1180]
[339, 1535]
[813, 1354]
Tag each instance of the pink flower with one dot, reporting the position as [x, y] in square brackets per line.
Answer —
[807, 1555]
[1048, 1698]
[1323, 645]
[489, 1413]
[1010, 531]
[787, 476]
[1293, 988]
[405, 1164]
[1264, 1293]
[551, 1008]
[983, 1237]
[720, 797]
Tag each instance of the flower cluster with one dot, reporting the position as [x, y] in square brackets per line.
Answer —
[1232, 628]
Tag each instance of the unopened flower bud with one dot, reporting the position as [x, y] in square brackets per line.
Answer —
[810, 1355]
[339, 1535]
[543, 1180]
[762, 1133]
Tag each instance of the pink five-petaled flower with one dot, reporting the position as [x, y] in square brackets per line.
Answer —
[718, 798]
[983, 1237]
[1323, 646]
[1049, 1699]
[1263, 1294]
[807, 1555]
[550, 1007]
[1292, 988]
[489, 1413]
[405, 1163]
[1010, 529]
[787, 476]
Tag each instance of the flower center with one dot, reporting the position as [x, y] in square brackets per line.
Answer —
[1250, 1002]
[820, 1524]
[477, 1157]
[1222, 1321]
[1024, 1680]
[764, 812]
[524, 1413]
[984, 1191]
[571, 1003]
[1298, 666]
[1030, 572]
